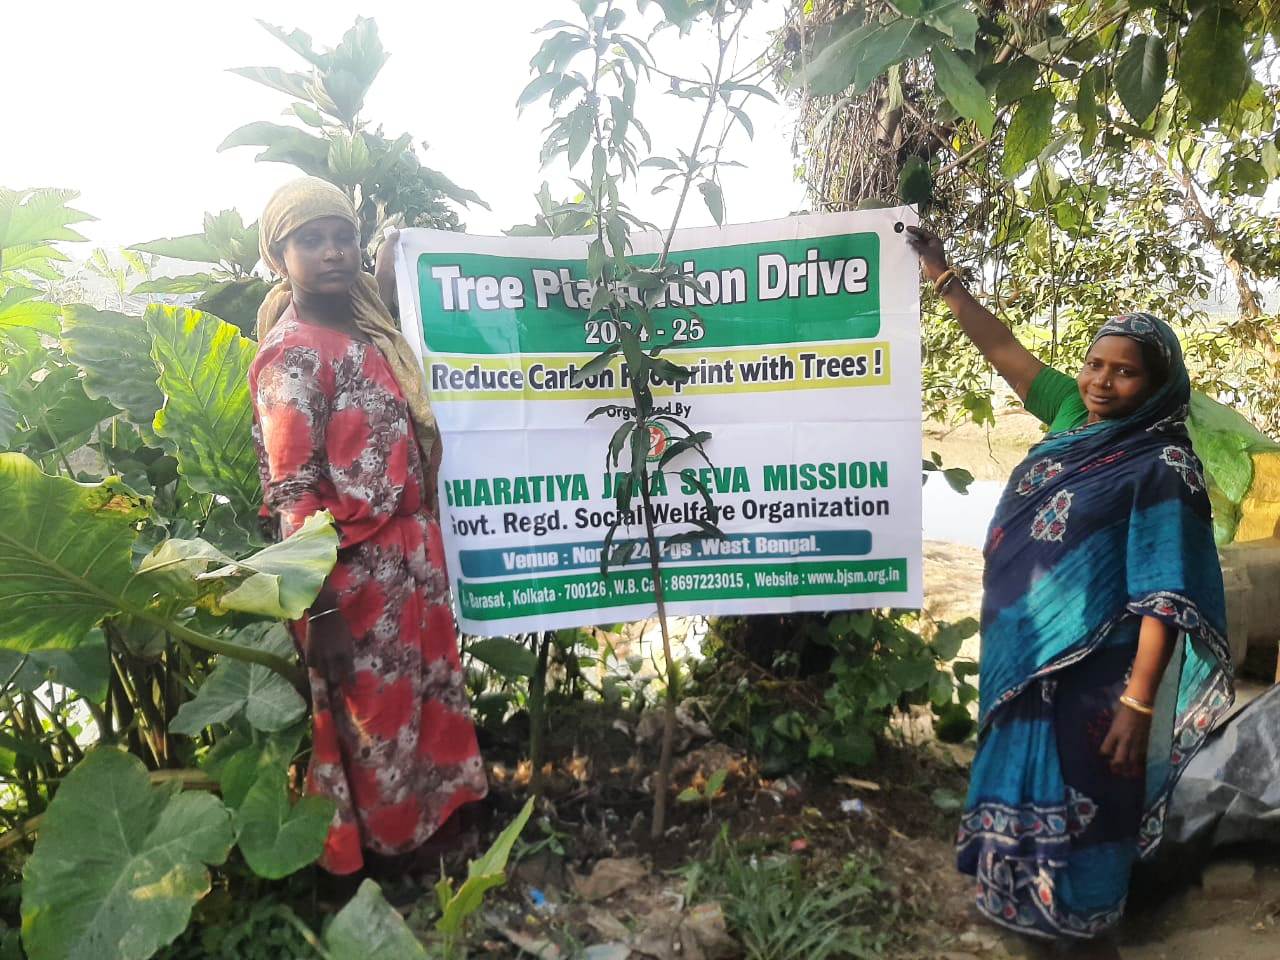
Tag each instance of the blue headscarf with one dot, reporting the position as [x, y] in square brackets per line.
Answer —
[1101, 525]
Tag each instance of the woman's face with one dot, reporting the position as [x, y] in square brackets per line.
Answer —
[322, 256]
[1114, 380]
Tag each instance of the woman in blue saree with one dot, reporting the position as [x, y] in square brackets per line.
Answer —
[1104, 660]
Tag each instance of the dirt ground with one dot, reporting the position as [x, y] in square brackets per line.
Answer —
[592, 884]
[609, 887]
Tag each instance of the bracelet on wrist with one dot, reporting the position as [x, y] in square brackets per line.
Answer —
[945, 279]
[1133, 703]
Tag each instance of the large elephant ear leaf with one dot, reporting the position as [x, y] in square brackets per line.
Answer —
[207, 416]
[65, 559]
[115, 353]
[266, 699]
[119, 864]
[236, 301]
[368, 928]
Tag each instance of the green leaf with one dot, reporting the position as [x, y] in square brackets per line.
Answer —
[83, 669]
[1016, 79]
[37, 259]
[283, 579]
[349, 159]
[65, 554]
[958, 479]
[954, 19]
[118, 864]
[8, 420]
[715, 782]
[1212, 69]
[294, 84]
[950, 638]
[299, 42]
[19, 308]
[1087, 109]
[962, 89]
[368, 928]
[895, 42]
[193, 246]
[283, 145]
[915, 181]
[207, 415]
[115, 353]
[236, 302]
[1141, 75]
[482, 875]
[513, 660]
[438, 181]
[276, 837]
[953, 723]
[911, 673]
[714, 199]
[593, 366]
[267, 701]
[1029, 132]
[186, 284]
[579, 123]
[66, 563]
[834, 67]
[35, 216]
[537, 88]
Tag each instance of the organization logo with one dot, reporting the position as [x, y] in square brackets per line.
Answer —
[659, 438]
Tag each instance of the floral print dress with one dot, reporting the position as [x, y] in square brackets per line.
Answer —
[393, 743]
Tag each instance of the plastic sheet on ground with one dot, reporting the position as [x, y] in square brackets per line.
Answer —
[1230, 792]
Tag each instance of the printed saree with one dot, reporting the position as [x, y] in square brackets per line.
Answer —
[1098, 527]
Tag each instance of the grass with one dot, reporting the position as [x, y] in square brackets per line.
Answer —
[781, 907]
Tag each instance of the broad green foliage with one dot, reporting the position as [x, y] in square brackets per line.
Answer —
[207, 416]
[1212, 71]
[83, 668]
[279, 581]
[114, 351]
[74, 542]
[277, 836]
[1141, 74]
[228, 290]
[368, 928]
[29, 221]
[511, 659]
[235, 688]
[1029, 132]
[64, 555]
[878, 662]
[20, 309]
[383, 176]
[119, 863]
[1087, 159]
[962, 89]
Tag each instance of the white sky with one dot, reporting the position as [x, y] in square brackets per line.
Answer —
[128, 102]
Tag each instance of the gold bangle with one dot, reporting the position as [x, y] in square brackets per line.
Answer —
[1133, 703]
[944, 280]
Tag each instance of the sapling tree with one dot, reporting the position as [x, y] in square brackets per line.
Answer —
[590, 73]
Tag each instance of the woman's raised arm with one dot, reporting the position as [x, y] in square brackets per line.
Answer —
[1014, 362]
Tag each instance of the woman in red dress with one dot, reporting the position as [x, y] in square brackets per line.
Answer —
[342, 423]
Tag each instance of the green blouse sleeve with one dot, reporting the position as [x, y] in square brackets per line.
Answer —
[1054, 400]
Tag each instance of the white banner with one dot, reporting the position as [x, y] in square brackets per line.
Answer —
[805, 351]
